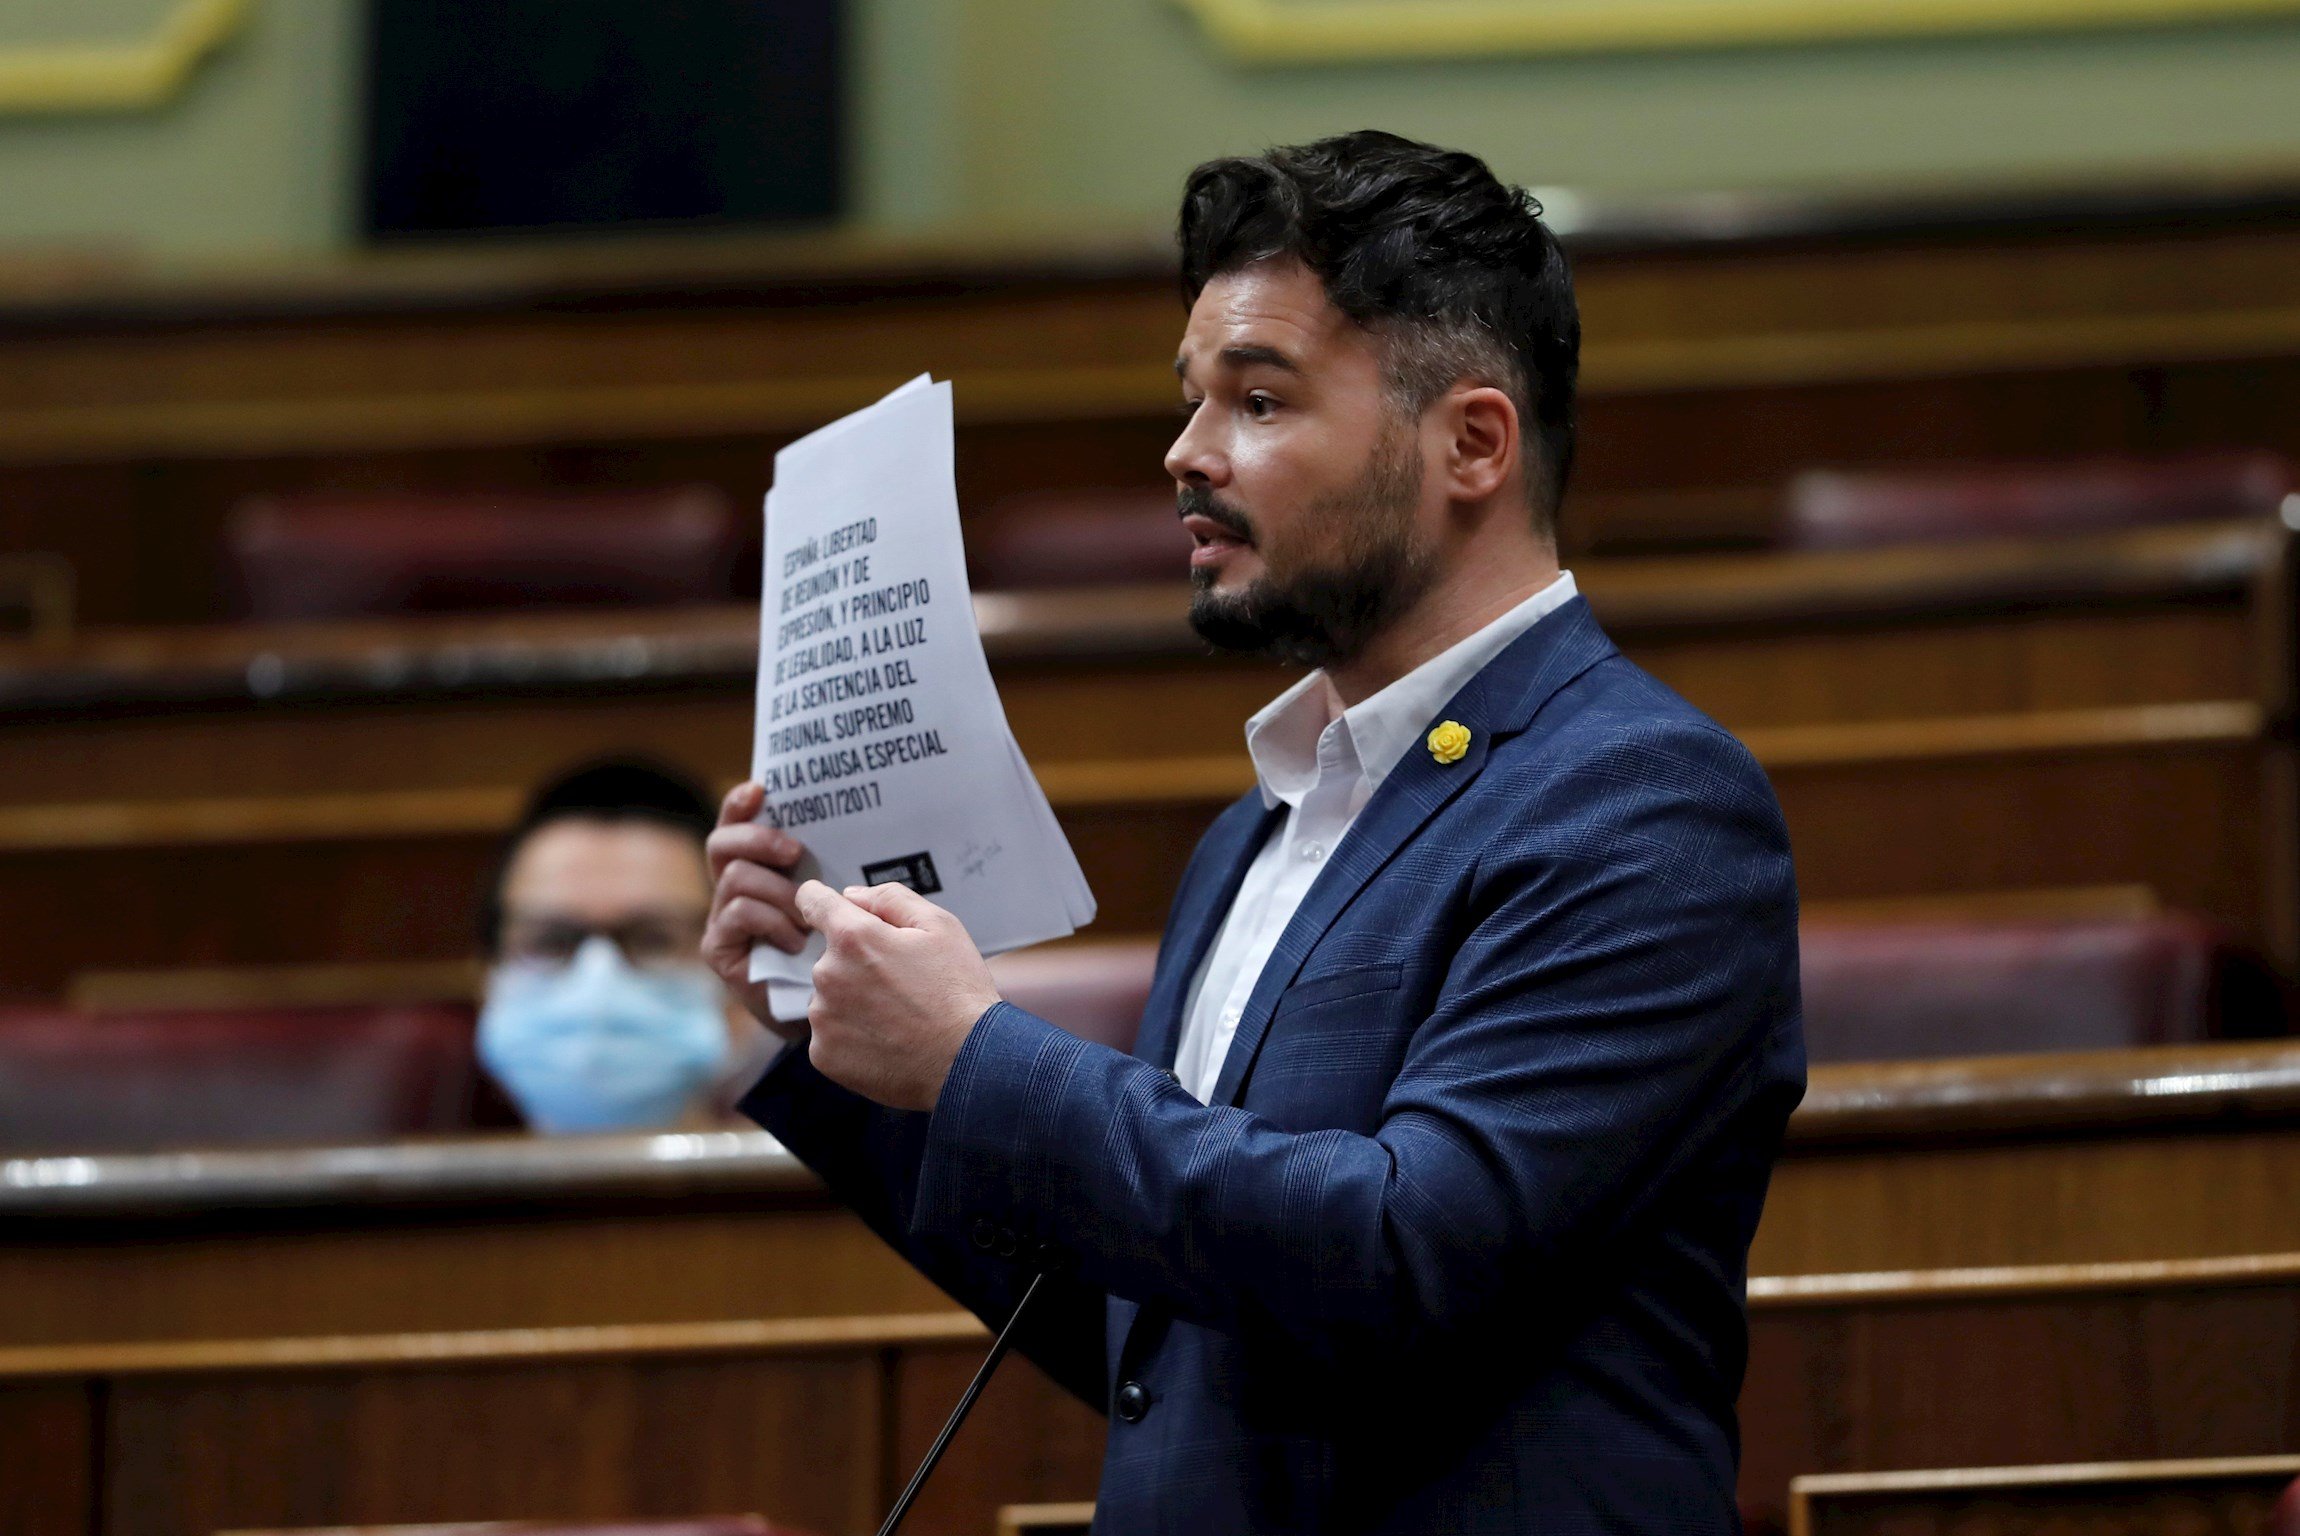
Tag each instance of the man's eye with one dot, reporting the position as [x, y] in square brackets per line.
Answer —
[1260, 406]
[1187, 408]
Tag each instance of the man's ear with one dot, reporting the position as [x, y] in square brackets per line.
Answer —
[1484, 456]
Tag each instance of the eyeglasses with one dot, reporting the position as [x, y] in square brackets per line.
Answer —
[650, 941]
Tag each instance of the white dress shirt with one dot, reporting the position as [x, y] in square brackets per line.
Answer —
[1323, 763]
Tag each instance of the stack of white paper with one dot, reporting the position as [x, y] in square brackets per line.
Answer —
[881, 741]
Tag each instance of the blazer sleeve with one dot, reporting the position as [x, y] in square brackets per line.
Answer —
[869, 1157]
[1627, 951]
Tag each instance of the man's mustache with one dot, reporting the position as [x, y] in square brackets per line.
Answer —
[1197, 501]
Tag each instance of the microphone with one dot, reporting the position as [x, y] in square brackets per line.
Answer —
[998, 1350]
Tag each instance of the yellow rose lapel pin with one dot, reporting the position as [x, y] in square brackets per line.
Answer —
[1448, 741]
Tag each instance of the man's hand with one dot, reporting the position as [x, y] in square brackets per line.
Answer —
[754, 900]
[897, 991]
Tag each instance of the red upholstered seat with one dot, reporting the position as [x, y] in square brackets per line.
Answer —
[1832, 509]
[72, 1082]
[333, 556]
[1078, 541]
[1880, 992]
[1096, 991]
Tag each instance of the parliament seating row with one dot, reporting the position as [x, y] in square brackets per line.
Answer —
[1994, 726]
[2001, 1263]
[1875, 991]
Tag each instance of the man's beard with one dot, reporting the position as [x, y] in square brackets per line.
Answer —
[1327, 615]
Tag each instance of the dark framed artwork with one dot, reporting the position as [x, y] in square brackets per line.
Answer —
[492, 116]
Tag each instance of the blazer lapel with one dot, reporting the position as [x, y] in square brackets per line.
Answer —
[1499, 701]
[1225, 856]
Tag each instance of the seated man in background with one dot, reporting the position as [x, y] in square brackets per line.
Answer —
[599, 1015]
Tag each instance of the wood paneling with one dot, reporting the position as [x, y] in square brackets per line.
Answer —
[1026, 1440]
[36, 598]
[2022, 1372]
[444, 1271]
[2013, 663]
[2185, 820]
[500, 1346]
[329, 985]
[795, 1436]
[2221, 1496]
[2135, 1195]
[1071, 1519]
[48, 1456]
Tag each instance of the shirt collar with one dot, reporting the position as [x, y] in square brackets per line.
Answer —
[1282, 739]
[1373, 735]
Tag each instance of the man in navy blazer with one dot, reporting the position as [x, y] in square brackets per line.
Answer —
[1424, 1202]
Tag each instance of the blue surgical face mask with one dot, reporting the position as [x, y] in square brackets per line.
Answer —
[597, 1045]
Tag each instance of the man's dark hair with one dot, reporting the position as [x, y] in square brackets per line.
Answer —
[1449, 267]
[609, 789]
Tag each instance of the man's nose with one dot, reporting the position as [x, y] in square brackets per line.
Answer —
[1195, 459]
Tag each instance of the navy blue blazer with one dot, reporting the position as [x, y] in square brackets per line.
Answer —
[1460, 1245]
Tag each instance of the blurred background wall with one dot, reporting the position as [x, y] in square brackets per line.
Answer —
[253, 157]
[1067, 107]
[1021, 114]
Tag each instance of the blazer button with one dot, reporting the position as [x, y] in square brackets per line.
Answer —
[1133, 1402]
[1008, 1244]
[984, 1234]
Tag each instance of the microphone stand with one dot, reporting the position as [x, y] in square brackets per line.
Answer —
[998, 1350]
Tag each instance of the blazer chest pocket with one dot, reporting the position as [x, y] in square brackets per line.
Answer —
[1333, 1047]
[1334, 986]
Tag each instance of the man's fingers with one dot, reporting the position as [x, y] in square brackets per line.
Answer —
[744, 878]
[831, 914]
[754, 842]
[895, 904]
[744, 921]
[741, 803]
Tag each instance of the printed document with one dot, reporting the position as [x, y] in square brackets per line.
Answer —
[881, 740]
